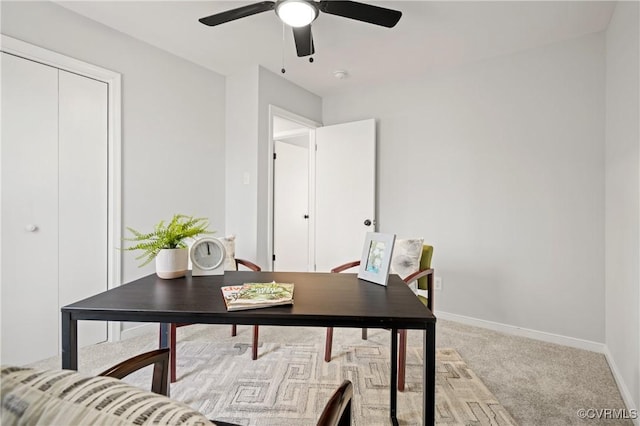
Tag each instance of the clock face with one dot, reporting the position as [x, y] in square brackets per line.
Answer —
[207, 253]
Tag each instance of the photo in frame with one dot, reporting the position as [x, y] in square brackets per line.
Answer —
[376, 257]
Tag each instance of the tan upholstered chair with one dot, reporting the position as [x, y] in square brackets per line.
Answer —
[94, 403]
[424, 276]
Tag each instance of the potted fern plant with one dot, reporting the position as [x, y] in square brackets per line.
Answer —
[166, 244]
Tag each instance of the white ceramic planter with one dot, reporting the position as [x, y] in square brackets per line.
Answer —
[172, 263]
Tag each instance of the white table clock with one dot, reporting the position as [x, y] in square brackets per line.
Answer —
[207, 257]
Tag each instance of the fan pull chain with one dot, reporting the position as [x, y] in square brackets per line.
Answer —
[283, 41]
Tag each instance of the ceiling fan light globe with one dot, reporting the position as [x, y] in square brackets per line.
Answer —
[296, 13]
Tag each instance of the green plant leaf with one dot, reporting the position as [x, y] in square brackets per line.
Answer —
[169, 235]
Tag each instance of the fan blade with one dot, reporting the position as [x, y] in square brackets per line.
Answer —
[304, 40]
[240, 12]
[361, 12]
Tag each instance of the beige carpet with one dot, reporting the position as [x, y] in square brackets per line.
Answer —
[290, 382]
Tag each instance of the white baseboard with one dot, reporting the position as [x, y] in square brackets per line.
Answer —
[139, 330]
[524, 332]
[622, 386]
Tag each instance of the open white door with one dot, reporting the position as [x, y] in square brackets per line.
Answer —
[345, 191]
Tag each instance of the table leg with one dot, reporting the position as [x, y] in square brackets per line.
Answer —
[69, 342]
[165, 342]
[393, 403]
[429, 375]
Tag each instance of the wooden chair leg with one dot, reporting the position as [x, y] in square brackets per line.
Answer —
[328, 344]
[173, 352]
[402, 359]
[233, 330]
[364, 334]
[254, 346]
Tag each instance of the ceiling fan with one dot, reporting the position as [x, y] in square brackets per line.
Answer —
[299, 14]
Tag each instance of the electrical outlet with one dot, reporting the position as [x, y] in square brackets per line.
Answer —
[437, 285]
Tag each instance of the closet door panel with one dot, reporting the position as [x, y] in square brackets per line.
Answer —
[29, 199]
[83, 195]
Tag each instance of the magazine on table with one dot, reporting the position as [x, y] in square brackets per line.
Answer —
[257, 295]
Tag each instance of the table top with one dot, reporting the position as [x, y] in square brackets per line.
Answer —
[320, 299]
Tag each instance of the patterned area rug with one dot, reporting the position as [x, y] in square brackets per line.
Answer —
[289, 384]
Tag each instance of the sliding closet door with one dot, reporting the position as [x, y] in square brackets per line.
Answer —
[82, 195]
[29, 211]
[54, 205]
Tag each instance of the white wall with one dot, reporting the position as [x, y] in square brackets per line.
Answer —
[499, 165]
[172, 117]
[622, 213]
[241, 157]
[249, 94]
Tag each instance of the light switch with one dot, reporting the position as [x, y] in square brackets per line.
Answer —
[245, 178]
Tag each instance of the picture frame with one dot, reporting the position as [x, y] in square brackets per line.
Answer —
[376, 257]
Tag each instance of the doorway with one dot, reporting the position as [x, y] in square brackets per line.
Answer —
[293, 153]
[322, 191]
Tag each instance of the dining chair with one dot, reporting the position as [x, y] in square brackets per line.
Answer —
[159, 358]
[173, 326]
[424, 278]
[337, 411]
[254, 344]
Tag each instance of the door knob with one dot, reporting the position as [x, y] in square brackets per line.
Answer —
[367, 222]
[31, 228]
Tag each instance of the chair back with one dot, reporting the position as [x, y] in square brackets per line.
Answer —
[249, 265]
[425, 263]
[337, 411]
[160, 360]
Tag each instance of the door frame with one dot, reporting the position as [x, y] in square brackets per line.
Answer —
[275, 111]
[113, 80]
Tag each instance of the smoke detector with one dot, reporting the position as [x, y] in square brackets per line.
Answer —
[340, 74]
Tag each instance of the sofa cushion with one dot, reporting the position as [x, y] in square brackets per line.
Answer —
[65, 397]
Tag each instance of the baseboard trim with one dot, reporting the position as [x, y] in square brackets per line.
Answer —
[622, 386]
[525, 332]
[139, 330]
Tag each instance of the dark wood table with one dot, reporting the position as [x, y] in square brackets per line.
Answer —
[320, 300]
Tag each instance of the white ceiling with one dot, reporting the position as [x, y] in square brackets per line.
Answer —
[430, 35]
